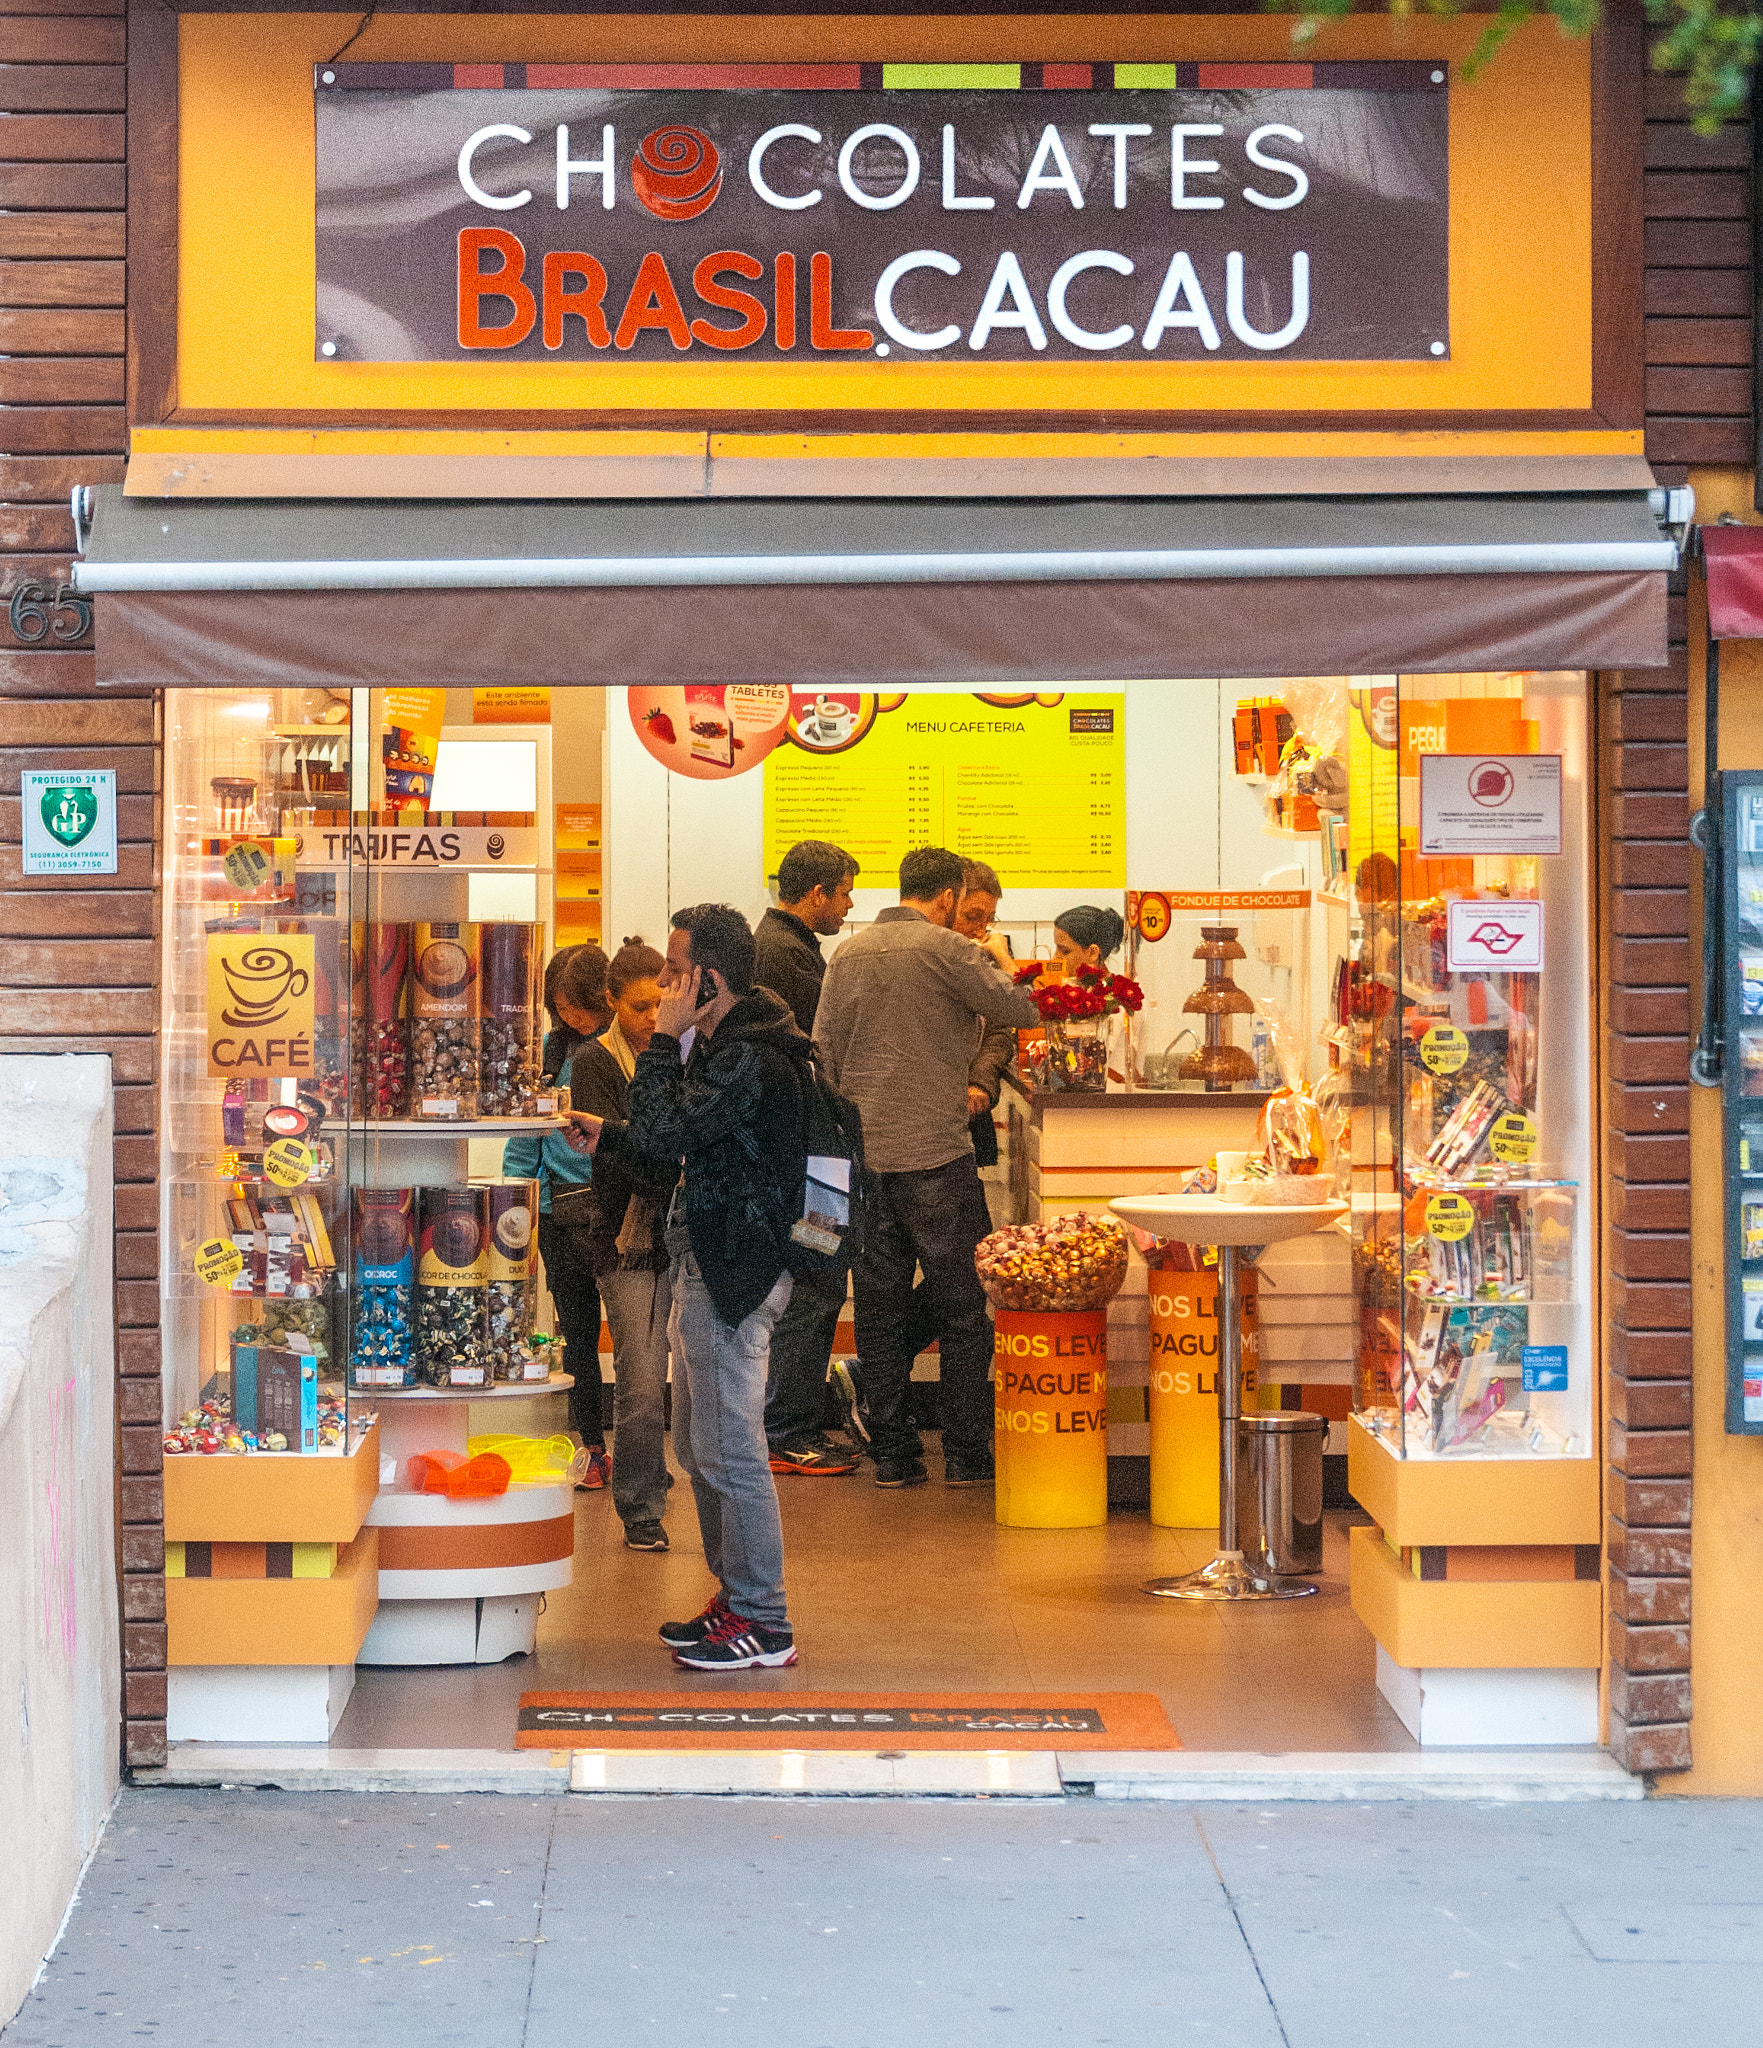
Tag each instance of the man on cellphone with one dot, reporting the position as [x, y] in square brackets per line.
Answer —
[730, 1111]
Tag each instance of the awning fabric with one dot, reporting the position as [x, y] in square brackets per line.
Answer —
[1733, 557]
[841, 594]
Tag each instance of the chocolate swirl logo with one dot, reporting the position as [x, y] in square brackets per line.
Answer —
[676, 173]
[260, 985]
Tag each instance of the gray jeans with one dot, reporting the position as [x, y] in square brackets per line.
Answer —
[719, 1437]
[638, 1312]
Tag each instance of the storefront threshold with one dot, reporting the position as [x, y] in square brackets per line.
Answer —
[1504, 1775]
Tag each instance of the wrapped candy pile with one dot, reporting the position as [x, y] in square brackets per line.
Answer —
[1074, 1262]
[208, 1430]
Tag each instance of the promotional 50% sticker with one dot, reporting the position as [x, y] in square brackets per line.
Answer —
[288, 1162]
[1512, 1138]
[218, 1262]
[1449, 1217]
[1444, 1049]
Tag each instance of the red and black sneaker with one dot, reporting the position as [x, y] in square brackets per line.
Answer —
[822, 1460]
[682, 1635]
[736, 1644]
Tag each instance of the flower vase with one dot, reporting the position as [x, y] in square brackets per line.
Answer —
[1077, 1054]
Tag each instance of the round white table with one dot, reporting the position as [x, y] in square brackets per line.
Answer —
[1233, 1228]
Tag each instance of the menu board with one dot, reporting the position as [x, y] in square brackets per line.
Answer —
[1033, 784]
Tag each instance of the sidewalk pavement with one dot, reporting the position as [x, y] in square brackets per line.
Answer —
[312, 1920]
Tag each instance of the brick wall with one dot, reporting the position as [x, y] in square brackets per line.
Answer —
[79, 966]
[1698, 391]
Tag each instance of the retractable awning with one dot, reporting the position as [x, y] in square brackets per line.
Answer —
[827, 594]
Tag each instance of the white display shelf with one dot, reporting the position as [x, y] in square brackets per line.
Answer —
[456, 1127]
[501, 1390]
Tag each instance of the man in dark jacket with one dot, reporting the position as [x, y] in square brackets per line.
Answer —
[732, 1112]
[814, 881]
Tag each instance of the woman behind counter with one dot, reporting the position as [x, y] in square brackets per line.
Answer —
[1088, 935]
[575, 995]
[623, 1244]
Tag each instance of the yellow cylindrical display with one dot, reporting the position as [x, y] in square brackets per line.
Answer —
[1183, 1399]
[1051, 1408]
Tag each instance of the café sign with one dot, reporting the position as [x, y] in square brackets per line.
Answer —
[891, 214]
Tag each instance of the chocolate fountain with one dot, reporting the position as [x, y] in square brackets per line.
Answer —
[1218, 1063]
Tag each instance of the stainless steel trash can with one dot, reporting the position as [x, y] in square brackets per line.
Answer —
[1279, 1491]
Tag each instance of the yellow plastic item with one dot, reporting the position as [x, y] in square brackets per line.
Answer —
[534, 1460]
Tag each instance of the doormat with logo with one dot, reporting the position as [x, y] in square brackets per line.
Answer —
[870, 1721]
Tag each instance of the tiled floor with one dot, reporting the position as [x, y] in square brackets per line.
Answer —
[922, 1591]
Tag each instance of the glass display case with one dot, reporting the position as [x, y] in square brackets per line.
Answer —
[1226, 976]
[1461, 1011]
[352, 1029]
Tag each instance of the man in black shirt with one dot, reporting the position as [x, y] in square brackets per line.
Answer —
[814, 898]
[813, 901]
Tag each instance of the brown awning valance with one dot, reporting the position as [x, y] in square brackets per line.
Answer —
[883, 595]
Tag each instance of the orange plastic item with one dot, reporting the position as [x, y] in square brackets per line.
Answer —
[459, 1477]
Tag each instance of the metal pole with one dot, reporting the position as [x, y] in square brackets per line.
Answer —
[1230, 1395]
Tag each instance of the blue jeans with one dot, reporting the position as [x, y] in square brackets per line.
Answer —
[719, 1436]
[638, 1311]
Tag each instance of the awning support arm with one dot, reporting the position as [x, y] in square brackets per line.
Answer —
[1709, 1058]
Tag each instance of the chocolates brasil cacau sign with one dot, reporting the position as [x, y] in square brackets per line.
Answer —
[846, 213]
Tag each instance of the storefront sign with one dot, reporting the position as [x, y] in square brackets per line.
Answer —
[1512, 1138]
[288, 1163]
[891, 214]
[69, 820]
[417, 846]
[261, 1011]
[1500, 938]
[1035, 784]
[511, 706]
[1490, 804]
[216, 1262]
[1443, 1049]
[1449, 1218]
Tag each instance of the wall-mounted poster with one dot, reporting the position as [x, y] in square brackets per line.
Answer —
[1033, 783]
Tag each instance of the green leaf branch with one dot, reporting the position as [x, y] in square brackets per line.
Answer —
[1711, 44]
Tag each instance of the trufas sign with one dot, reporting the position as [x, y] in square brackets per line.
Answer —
[896, 213]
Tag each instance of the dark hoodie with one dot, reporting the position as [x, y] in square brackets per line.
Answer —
[733, 1114]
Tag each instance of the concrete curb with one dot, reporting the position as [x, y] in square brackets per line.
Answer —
[1488, 1775]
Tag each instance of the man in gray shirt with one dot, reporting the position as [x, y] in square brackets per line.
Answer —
[896, 1028]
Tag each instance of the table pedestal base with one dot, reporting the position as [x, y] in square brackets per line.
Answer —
[1228, 1577]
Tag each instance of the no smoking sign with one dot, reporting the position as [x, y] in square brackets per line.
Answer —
[1493, 937]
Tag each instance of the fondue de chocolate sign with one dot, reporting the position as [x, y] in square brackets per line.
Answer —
[890, 213]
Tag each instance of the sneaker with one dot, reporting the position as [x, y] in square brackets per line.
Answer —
[821, 1460]
[959, 1471]
[598, 1472]
[645, 1536]
[849, 1402]
[907, 1471]
[738, 1645]
[681, 1635]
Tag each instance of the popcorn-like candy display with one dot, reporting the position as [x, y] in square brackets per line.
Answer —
[383, 1353]
[445, 1066]
[511, 1045]
[511, 1212]
[445, 1062]
[452, 1275]
[512, 1308]
[1072, 1263]
[450, 1336]
[382, 1349]
[379, 1050]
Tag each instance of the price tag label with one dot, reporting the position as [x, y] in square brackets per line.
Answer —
[288, 1162]
[246, 865]
[1512, 1138]
[218, 1262]
[1444, 1049]
[1449, 1217]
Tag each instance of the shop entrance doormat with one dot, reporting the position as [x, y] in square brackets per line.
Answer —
[863, 1721]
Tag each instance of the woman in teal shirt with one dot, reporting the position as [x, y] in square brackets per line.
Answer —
[581, 1006]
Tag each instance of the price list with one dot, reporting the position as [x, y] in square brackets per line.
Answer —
[1036, 790]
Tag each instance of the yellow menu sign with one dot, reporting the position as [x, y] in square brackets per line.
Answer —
[1035, 784]
[260, 1005]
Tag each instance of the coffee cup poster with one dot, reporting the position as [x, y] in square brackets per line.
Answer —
[261, 1006]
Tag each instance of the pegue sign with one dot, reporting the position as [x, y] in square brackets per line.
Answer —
[841, 213]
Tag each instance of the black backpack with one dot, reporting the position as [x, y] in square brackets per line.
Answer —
[826, 1237]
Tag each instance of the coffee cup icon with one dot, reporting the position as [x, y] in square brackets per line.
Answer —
[261, 983]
